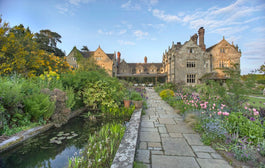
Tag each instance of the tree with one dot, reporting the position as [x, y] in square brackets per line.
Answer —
[262, 69]
[20, 53]
[85, 48]
[48, 40]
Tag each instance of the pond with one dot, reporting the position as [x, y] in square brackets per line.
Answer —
[53, 147]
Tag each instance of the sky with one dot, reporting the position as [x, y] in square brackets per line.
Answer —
[139, 28]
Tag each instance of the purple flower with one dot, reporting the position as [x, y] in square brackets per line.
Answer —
[252, 119]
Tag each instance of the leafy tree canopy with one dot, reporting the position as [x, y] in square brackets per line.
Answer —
[47, 40]
[21, 54]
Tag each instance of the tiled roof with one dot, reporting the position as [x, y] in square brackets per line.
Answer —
[87, 54]
[111, 56]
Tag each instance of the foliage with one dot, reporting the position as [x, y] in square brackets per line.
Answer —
[136, 96]
[39, 106]
[245, 127]
[117, 112]
[47, 41]
[212, 130]
[165, 94]
[70, 102]
[243, 151]
[101, 148]
[103, 93]
[261, 148]
[19, 53]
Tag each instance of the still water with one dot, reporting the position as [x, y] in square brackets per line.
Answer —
[40, 152]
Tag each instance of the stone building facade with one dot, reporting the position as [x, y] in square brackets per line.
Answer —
[102, 59]
[190, 62]
[187, 63]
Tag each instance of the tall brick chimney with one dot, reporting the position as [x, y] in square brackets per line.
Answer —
[201, 38]
[145, 59]
[119, 57]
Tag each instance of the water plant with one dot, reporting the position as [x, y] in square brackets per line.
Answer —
[101, 148]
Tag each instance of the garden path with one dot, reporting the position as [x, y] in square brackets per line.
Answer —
[165, 140]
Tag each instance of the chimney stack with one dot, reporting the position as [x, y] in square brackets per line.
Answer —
[201, 38]
[145, 59]
[194, 38]
[119, 57]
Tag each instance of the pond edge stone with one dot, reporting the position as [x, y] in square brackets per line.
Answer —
[124, 157]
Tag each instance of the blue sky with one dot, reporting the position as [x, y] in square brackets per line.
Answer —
[139, 28]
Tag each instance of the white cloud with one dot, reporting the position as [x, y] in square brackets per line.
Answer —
[121, 32]
[62, 8]
[259, 29]
[168, 18]
[122, 42]
[78, 2]
[129, 6]
[255, 49]
[153, 2]
[140, 34]
[217, 19]
[108, 33]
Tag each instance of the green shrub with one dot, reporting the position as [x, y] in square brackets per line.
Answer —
[136, 96]
[70, 102]
[165, 94]
[245, 127]
[39, 106]
[103, 93]
[261, 81]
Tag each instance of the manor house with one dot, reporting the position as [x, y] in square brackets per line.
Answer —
[187, 63]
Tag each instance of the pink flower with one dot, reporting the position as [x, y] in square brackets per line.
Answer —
[214, 104]
[246, 107]
[202, 112]
[213, 107]
[254, 110]
[222, 108]
[256, 113]
[226, 113]
[219, 113]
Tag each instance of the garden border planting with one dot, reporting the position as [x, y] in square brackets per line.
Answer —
[125, 154]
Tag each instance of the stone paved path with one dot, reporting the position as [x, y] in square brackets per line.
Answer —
[166, 142]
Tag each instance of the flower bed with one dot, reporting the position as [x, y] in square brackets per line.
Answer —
[238, 132]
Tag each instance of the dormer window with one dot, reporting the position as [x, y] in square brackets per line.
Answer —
[74, 59]
[190, 50]
[222, 50]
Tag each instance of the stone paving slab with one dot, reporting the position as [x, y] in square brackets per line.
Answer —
[202, 149]
[150, 136]
[148, 129]
[143, 156]
[162, 161]
[179, 128]
[193, 139]
[177, 146]
[166, 121]
[213, 163]
[147, 124]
